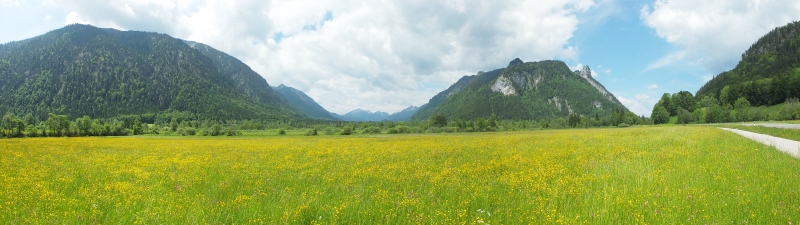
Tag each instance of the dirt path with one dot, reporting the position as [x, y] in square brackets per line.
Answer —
[775, 125]
[785, 145]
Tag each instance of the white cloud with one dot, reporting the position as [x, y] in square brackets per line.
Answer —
[652, 86]
[47, 18]
[640, 104]
[608, 71]
[715, 33]
[667, 60]
[377, 55]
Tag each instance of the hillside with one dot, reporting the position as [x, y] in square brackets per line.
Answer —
[305, 104]
[768, 73]
[533, 90]
[83, 70]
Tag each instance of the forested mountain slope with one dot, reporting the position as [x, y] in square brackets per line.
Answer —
[533, 90]
[768, 73]
[83, 70]
[304, 103]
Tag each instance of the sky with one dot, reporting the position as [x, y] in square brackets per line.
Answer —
[384, 55]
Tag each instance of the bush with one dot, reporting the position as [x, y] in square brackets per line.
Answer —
[392, 131]
[312, 132]
[347, 130]
[622, 125]
[281, 132]
[371, 130]
[404, 129]
[188, 131]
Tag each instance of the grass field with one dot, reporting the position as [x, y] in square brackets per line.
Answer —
[791, 134]
[662, 175]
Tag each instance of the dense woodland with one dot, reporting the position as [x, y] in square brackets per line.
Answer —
[103, 73]
[189, 124]
[765, 85]
[768, 74]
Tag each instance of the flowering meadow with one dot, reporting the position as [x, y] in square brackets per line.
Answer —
[661, 175]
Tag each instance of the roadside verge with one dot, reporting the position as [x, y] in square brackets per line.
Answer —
[785, 145]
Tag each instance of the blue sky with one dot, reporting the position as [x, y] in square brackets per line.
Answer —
[387, 55]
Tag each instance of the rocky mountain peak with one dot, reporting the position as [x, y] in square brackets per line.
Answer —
[515, 62]
[585, 72]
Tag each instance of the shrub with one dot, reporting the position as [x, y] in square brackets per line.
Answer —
[347, 130]
[392, 131]
[404, 129]
[312, 132]
[371, 130]
[621, 125]
[281, 132]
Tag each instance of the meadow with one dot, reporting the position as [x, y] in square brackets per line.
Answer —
[661, 175]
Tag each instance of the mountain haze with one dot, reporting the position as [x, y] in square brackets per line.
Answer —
[532, 90]
[361, 115]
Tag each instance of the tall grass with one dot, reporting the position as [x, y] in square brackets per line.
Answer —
[665, 175]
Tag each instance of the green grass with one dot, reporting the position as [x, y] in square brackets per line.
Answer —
[791, 134]
[661, 175]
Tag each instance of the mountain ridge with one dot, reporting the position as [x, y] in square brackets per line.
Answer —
[528, 90]
[101, 72]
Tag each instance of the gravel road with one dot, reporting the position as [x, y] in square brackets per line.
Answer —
[785, 145]
[774, 125]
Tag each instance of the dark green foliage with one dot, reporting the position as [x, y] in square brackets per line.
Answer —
[768, 73]
[312, 132]
[660, 115]
[103, 73]
[684, 116]
[573, 120]
[684, 100]
[281, 132]
[439, 121]
[347, 130]
[371, 130]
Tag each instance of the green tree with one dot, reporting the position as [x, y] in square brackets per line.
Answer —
[684, 100]
[660, 115]
[84, 125]
[666, 102]
[742, 107]
[684, 116]
[439, 121]
[137, 126]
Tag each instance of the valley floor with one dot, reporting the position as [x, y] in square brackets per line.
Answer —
[662, 175]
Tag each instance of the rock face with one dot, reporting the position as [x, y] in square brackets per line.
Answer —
[505, 86]
[586, 73]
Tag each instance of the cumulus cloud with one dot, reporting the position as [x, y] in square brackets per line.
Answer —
[378, 55]
[640, 104]
[715, 33]
[652, 86]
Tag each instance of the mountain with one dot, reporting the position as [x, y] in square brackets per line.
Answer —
[403, 115]
[363, 115]
[532, 90]
[305, 104]
[768, 73]
[84, 70]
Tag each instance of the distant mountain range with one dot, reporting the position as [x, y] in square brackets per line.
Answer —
[84, 70]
